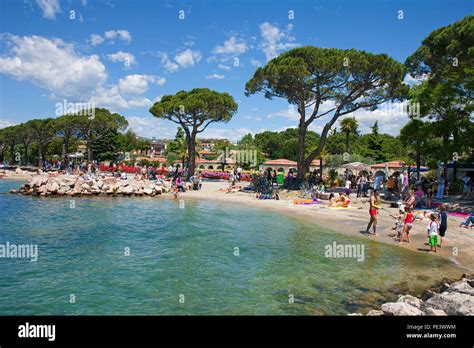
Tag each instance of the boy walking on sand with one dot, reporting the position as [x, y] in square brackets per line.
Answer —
[432, 230]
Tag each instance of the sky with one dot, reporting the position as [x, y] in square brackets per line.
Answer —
[124, 55]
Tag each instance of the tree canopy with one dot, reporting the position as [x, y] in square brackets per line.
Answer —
[194, 111]
[328, 81]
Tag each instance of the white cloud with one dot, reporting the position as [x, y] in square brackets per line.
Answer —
[256, 63]
[54, 65]
[391, 118]
[231, 46]
[187, 58]
[290, 113]
[168, 64]
[233, 134]
[224, 67]
[140, 102]
[184, 59]
[111, 36]
[124, 57]
[138, 84]
[151, 127]
[109, 97]
[96, 39]
[123, 35]
[215, 77]
[5, 124]
[275, 40]
[49, 7]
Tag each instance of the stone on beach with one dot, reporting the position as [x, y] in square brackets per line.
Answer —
[400, 308]
[411, 300]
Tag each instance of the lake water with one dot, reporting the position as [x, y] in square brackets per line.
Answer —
[187, 254]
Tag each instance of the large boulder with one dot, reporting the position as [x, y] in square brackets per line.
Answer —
[463, 286]
[18, 171]
[411, 300]
[52, 187]
[110, 181]
[400, 308]
[452, 302]
[77, 188]
[374, 313]
[126, 190]
[434, 312]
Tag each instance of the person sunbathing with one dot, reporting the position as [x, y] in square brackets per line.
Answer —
[341, 202]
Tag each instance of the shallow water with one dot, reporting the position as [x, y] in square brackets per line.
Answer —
[190, 251]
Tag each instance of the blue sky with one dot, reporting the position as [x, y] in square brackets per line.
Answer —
[124, 54]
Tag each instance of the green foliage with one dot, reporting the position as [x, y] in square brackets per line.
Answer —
[194, 111]
[308, 77]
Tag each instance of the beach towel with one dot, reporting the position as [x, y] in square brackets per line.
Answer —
[463, 215]
[306, 201]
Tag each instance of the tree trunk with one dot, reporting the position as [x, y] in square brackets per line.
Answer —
[418, 165]
[12, 153]
[192, 154]
[302, 166]
[347, 142]
[64, 151]
[89, 150]
[40, 156]
[26, 153]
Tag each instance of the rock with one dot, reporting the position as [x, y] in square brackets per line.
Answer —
[400, 308]
[148, 191]
[127, 190]
[52, 187]
[41, 189]
[354, 314]
[85, 187]
[18, 171]
[434, 312]
[77, 188]
[374, 313]
[411, 300]
[13, 191]
[427, 294]
[463, 287]
[110, 181]
[453, 303]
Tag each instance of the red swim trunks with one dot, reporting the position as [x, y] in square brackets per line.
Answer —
[372, 211]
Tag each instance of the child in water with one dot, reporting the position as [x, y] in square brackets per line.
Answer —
[432, 230]
[408, 224]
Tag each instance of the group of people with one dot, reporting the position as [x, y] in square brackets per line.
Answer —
[436, 229]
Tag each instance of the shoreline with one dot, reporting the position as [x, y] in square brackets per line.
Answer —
[349, 222]
[352, 221]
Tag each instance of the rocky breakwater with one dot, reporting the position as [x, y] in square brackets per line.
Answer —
[80, 186]
[447, 298]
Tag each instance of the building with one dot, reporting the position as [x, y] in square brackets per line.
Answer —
[283, 165]
[202, 163]
[156, 148]
[392, 167]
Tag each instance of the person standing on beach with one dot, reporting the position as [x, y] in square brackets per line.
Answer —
[373, 212]
[432, 230]
[408, 224]
[440, 192]
[443, 223]
[467, 186]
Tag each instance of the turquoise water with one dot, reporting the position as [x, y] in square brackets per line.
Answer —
[189, 251]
